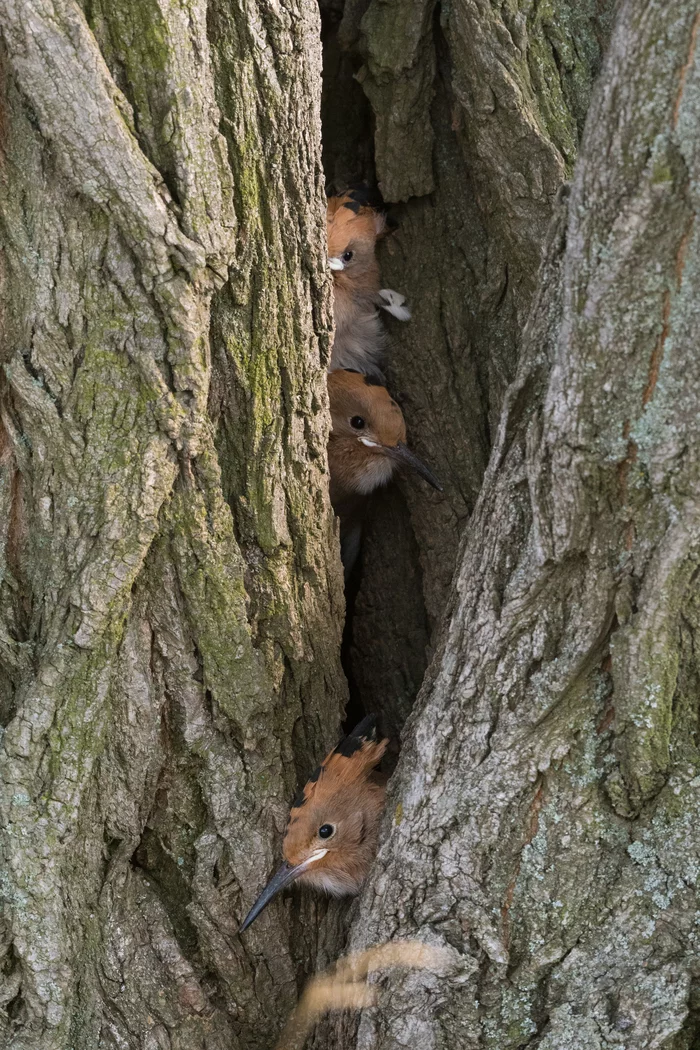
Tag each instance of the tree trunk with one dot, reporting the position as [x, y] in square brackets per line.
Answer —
[170, 598]
[543, 821]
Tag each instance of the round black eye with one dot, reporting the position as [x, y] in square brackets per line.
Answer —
[346, 256]
[325, 831]
[357, 422]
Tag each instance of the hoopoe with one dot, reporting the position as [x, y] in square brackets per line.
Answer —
[365, 449]
[360, 339]
[332, 834]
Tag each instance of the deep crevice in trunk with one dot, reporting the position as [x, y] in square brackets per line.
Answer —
[389, 629]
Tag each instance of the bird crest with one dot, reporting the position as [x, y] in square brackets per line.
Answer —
[333, 829]
[351, 760]
[351, 220]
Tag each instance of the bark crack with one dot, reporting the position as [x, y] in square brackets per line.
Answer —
[684, 70]
[658, 351]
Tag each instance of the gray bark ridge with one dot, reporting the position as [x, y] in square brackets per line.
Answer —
[543, 821]
[61, 706]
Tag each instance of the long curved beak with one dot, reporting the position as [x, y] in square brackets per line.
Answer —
[403, 455]
[282, 877]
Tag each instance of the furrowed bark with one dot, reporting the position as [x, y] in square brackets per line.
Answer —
[543, 821]
[169, 630]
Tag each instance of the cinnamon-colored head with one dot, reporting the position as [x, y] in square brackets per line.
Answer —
[353, 228]
[331, 837]
[366, 423]
[338, 813]
[367, 440]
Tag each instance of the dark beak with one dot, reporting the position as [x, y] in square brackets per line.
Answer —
[282, 877]
[403, 455]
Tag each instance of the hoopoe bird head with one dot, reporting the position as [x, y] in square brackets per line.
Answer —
[332, 834]
[367, 443]
[353, 230]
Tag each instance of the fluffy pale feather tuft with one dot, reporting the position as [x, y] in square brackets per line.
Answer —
[394, 303]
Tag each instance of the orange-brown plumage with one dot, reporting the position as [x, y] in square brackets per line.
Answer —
[365, 448]
[365, 422]
[348, 797]
[332, 834]
[350, 221]
[353, 229]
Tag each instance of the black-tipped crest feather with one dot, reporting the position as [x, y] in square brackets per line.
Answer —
[361, 194]
[364, 732]
[344, 794]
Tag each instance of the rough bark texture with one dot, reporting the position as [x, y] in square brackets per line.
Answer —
[171, 599]
[543, 820]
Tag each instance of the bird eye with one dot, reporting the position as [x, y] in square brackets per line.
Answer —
[325, 831]
[346, 256]
[357, 422]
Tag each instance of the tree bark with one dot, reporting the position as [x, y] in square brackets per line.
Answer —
[543, 821]
[171, 590]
